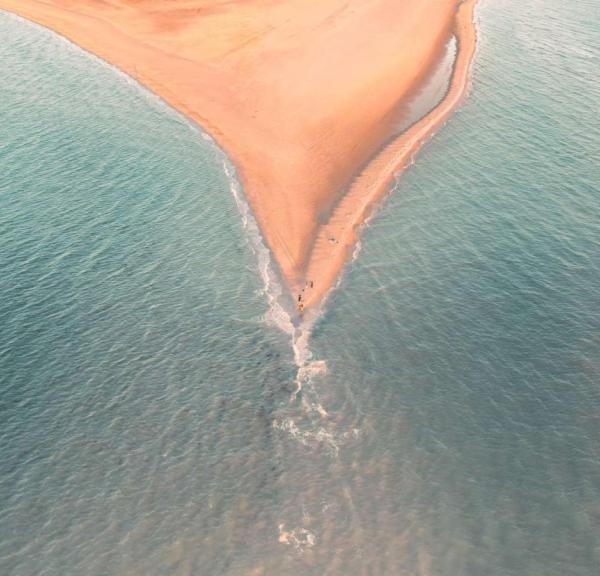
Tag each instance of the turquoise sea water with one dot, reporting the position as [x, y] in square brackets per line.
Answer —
[448, 421]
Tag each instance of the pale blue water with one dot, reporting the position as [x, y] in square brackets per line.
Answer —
[147, 418]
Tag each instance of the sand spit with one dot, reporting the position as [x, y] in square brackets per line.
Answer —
[301, 95]
[336, 239]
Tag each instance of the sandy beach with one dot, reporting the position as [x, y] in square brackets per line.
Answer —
[302, 96]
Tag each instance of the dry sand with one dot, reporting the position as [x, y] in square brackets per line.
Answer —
[302, 95]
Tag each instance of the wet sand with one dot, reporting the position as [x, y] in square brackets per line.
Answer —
[302, 96]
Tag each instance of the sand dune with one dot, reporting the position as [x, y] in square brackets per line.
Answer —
[303, 96]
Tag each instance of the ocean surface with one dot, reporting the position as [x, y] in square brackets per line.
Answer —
[156, 417]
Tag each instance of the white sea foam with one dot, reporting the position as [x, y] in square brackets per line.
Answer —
[304, 419]
[299, 538]
[276, 314]
[309, 425]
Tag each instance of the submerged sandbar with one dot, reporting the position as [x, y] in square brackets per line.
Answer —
[303, 96]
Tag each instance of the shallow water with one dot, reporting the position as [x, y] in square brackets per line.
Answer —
[431, 93]
[449, 420]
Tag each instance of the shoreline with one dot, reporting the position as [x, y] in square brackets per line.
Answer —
[300, 154]
[372, 182]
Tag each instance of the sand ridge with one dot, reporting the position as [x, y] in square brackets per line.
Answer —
[301, 95]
